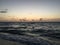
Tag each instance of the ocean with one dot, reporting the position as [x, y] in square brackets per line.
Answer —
[31, 33]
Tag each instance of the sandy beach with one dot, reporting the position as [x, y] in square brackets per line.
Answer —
[7, 42]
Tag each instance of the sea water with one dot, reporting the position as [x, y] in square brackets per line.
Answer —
[31, 33]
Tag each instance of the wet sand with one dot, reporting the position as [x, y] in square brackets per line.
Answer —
[7, 42]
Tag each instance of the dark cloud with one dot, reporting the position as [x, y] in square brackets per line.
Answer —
[4, 11]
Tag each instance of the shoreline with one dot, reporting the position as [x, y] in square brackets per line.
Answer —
[7, 42]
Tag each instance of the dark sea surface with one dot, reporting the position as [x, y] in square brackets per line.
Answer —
[31, 33]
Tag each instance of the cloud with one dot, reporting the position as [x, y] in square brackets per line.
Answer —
[4, 11]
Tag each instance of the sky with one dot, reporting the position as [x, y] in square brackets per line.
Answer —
[30, 9]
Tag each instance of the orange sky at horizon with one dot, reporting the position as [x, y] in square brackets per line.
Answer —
[28, 18]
